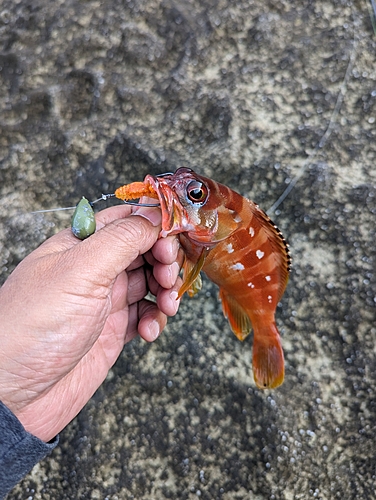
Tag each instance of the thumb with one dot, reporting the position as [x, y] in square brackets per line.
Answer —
[117, 244]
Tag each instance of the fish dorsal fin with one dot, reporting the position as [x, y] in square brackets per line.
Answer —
[191, 275]
[277, 243]
[237, 317]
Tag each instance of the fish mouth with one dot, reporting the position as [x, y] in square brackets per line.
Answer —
[174, 216]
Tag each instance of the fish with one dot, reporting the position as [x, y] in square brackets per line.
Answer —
[232, 240]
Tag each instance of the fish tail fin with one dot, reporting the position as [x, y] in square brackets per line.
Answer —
[268, 359]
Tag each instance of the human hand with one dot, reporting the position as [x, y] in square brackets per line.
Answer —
[70, 306]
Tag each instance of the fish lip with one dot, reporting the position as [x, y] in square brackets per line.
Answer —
[156, 186]
[174, 216]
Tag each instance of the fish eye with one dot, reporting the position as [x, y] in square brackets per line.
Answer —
[197, 192]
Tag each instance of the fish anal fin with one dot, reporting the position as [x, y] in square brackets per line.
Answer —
[237, 317]
[192, 282]
[268, 359]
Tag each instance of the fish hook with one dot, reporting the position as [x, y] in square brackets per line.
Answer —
[104, 197]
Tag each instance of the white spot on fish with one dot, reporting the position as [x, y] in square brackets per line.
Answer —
[268, 278]
[251, 285]
[260, 254]
[270, 298]
[251, 231]
[229, 248]
[237, 267]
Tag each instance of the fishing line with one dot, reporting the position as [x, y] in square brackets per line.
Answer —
[372, 14]
[322, 142]
[104, 197]
[51, 210]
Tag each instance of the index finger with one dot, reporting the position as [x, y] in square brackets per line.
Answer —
[110, 214]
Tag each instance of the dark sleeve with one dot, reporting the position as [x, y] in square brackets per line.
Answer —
[19, 450]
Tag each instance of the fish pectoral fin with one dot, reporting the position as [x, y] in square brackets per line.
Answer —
[228, 222]
[192, 282]
[268, 359]
[195, 286]
[239, 321]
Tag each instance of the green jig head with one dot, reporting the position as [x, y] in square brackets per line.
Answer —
[83, 220]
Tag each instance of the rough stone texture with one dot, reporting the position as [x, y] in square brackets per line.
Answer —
[95, 94]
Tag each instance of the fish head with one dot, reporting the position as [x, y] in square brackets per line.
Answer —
[193, 204]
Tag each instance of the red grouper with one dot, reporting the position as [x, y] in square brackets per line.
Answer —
[239, 248]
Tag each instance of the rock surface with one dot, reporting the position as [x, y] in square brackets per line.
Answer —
[96, 94]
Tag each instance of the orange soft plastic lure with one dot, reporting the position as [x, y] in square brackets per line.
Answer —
[135, 190]
[237, 246]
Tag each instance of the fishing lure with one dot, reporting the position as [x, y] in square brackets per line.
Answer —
[237, 246]
[83, 222]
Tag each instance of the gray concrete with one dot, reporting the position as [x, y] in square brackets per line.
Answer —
[96, 94]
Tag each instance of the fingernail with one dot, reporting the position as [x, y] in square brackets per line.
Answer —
[174, 271]
[154, 330]
[174, 300]
[153, 215]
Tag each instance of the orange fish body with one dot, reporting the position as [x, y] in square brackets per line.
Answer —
[235, 243]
